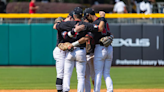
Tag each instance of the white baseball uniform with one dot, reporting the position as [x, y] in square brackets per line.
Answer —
[89, 72]
[102, 59]
[102, 62]
[59, 56]
[78, 56]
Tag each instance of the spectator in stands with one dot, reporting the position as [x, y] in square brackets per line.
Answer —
[133, 6]
[142, 7]
[137, 2]
[119, 7]
[145, 7]
[2, 7]
[32, 9]
[149, 6]
[96, 3]
[154, 6]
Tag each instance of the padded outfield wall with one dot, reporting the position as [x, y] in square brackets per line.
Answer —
[134, 44]
[22, 44]
[138, 44]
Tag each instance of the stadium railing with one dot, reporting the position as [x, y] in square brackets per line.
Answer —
[112, 18]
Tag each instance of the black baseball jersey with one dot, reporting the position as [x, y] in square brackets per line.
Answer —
[90, 44]
[67, 26]
[99, 35]
[60, 38]
[96, 36]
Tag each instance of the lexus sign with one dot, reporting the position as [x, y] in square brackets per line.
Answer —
[118, 42]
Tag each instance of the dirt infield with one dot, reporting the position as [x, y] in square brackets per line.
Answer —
[102, 90]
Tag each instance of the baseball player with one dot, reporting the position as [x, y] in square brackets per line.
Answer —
[59, 55]
[90, 46]
[89, 67]
[103, 54]
[78, 55]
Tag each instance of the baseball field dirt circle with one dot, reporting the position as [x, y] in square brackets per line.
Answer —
[102, 90]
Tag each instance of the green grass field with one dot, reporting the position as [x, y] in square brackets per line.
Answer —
[44, 77]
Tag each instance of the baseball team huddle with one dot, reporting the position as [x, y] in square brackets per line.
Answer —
[84, 41]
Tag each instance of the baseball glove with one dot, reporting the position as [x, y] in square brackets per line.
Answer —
[59, 19]
[64, 46]
[107, 40]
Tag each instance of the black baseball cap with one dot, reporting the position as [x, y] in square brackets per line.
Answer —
[78, 11]
[88, 11]
[71, 14]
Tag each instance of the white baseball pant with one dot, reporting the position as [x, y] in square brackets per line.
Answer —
[102, 64]
[89, 72]
[79, 56]
[59, 56]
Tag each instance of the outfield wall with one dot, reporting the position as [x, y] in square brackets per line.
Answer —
[22, 44]
[134, 44]
[138, 44]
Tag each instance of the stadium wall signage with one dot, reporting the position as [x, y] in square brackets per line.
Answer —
[133, 45]
[118, 42]
[138, 44]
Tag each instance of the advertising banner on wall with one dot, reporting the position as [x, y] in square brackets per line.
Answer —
[115, 29]
[138, 45]
[154, 53]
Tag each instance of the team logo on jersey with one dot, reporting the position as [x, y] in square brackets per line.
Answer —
[64, 33]
[95, 26]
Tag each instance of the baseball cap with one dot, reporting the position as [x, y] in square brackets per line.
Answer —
[78, 11]
[88, 11]
[59, 19]
[71, 14]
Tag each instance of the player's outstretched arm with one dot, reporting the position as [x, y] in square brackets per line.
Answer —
[63, 25]
[76, 43]
[96, 28]
[70, 34]
[101, 26]
[81, 40]
[54, 27]
[58, 20]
